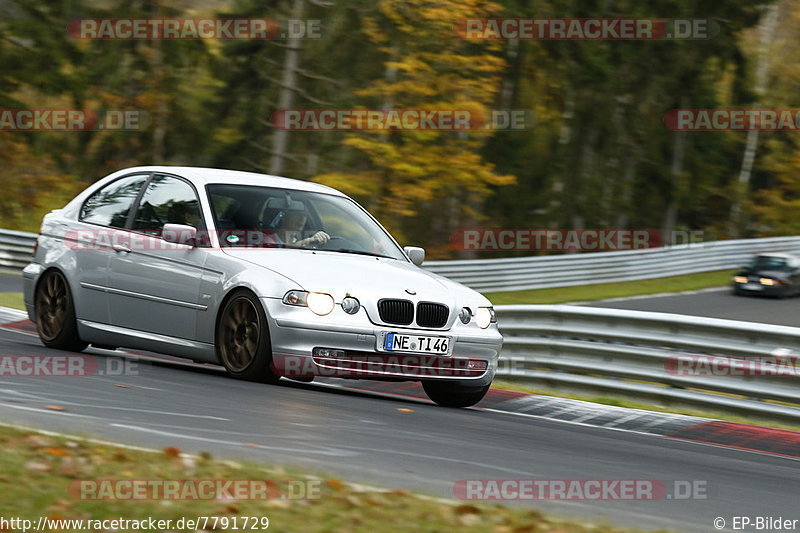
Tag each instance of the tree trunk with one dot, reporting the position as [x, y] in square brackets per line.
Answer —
[766, 36]
[280, 138]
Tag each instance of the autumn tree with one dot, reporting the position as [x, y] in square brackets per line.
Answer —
[427, 183]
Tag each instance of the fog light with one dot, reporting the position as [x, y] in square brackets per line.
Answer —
[327, 352]
[350, 305]
[476, 364]
[465, 315]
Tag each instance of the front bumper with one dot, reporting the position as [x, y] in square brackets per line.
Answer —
[754, 287]
[295, 332]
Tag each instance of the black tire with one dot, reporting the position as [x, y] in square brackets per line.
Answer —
[452, 394]
[242, 339]
[54, 311]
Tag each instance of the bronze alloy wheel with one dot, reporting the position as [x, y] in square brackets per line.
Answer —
[240, 330]
[55, 313]
[243, 343]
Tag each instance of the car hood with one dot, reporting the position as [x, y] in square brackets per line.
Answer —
[364, 277]
[774, 274]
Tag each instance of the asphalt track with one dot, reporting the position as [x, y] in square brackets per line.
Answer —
[373, 439]
[10, 283]
[392, 441]
[716, 303]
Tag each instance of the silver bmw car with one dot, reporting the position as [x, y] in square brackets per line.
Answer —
[268, 276]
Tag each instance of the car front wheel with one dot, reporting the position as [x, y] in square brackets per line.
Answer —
[243, 343]
[55, 313]
[454, 394]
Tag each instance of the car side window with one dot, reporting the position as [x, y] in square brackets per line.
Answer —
[110, 205]
[167, 200]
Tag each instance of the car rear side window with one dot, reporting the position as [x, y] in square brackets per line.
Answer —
[167, 200]
[110, 205]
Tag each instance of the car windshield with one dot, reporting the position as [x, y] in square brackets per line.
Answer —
[269, 217]
[767, 262]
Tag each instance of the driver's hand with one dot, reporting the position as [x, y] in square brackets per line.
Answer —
[320, 238]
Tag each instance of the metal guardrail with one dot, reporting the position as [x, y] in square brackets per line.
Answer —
[523, 273]
[513, 274]
[616, 351]
[637, 353]
[16, 248]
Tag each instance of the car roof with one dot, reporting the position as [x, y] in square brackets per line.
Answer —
[792, 260]
[203, 176]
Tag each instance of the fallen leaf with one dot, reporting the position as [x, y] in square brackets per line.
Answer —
[54, 408]
[56, 451]
[405, 410]
[334, 484]
[119, 456]
[121, 386]
[467, 509]
[172, 451]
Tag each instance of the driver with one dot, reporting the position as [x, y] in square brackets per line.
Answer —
[292, 226]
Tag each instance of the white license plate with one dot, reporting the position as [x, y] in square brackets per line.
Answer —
[400, 342]
[752, 287]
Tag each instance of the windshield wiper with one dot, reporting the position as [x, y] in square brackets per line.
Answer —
[359, 252]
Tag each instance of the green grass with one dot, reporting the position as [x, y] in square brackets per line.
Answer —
[621, 401]
[37, 471]
[12, 299]
[601, 291]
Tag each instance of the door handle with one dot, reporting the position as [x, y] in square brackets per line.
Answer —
[121, 249]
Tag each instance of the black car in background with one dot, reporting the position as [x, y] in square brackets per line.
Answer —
[776, 274]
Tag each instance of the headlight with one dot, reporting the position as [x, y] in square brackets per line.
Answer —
[485, 316]
[319, 302]
[740, 279]
[769, 282]
[465, 315]
[350, 305]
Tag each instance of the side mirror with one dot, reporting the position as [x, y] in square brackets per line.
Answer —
[416, 254]
[179, 234]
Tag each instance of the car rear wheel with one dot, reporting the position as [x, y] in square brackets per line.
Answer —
[454, 394]
[243, 343]
[55, 313]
